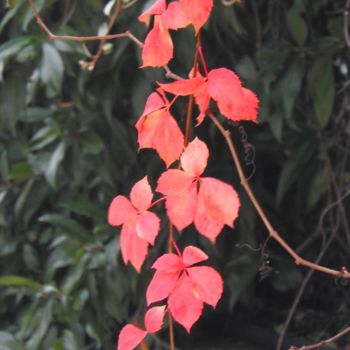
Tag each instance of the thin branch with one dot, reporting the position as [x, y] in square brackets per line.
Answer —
[323, 342]
[346, 23]
[342, 273]
[101, 38]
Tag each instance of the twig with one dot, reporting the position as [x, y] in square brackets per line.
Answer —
[101, 38]
[323, 342]
[346, 23]
[342, 273]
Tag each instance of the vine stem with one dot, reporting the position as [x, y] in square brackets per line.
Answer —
[102, 38]
[322, 342]
[342, 273]
[191, 98]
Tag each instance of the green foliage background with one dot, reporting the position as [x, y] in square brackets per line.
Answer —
[68, 146]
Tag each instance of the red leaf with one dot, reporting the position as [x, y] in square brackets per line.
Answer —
[174, 17]
[141, 195]
[158, 48]
[154, 319]
[134, 248]
[194, 159]
[197, 11]
[168, 139]
[220, 199]
[154, 102]
[169, 263]
[203, 221]
[130, 336]
[234, 101]
[147, 226]
[120, 210]
[159, 130]
[157, 8]
[181, 208]
[183, 304]
[174, 182]
[202, 99]
[207, 282]
[193, 255]
[183, 87]
[161, 286]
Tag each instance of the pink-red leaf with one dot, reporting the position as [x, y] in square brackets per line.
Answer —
[147, 226]
[204, 223]
[154, 102]
[183, 87]
[154, 319]
[193, 255]
[197, 11]
[158, 48]
[134, 248]
[174, 17]
[181, 208]
[220, 199]
[184, 306]
[194, 159]
[141, 195]
[159, 130]
[129, 337]
[168, 139]
[120, 210]
[169, 263]
[161, 286]
[207, 283]
[174, 182]
[157, 8]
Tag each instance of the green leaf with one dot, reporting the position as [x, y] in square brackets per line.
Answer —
[51, 70]
[92, 143]
[297, 26]
[21, 171]
[86, 208]
[294, 167]
[318, 188]
[54, 163]
[8, 342]
[322, 89]
[19, 281]
[68, 227]
[12, 47]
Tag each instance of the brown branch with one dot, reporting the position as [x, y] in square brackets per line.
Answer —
[342, 273]
[346, 23]
[323, 342]
[101, 38]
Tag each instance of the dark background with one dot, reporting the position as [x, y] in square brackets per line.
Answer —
[68, 146]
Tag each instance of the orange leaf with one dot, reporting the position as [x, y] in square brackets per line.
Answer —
[158, 48]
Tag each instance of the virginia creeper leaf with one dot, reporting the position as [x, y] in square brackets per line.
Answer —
[154, 319]
[161, 285]
[194, 159]
[197, 11]
[207, 283]
[141, 195]
[130, 336]
[184, 306]
[158, 48]
[147, 226]
[120, 210]
[193, 255]
[134, 248]
[157, 8]
[174, 17]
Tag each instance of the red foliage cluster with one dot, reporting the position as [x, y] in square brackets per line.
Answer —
[206, 202]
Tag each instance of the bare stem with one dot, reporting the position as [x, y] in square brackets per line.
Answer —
[323, 342]
[342, 273]
[171, 332]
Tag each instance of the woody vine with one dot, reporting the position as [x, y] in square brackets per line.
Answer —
[181, 284]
